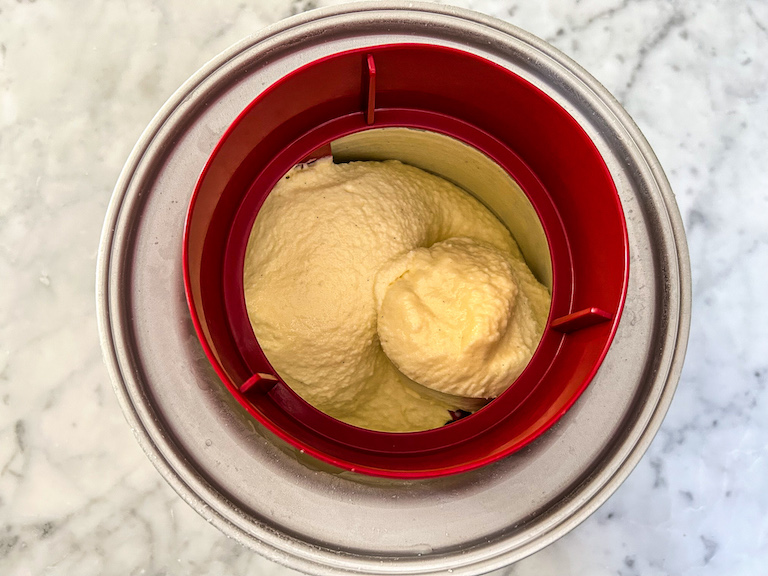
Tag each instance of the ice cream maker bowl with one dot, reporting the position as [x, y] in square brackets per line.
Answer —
[473, 123]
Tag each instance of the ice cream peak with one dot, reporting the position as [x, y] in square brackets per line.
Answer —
[453, 317]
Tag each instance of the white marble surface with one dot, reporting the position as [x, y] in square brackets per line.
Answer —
[78, 83]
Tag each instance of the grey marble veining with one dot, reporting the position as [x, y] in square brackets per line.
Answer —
[78, 83]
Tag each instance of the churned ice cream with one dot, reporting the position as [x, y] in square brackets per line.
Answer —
[357, 274]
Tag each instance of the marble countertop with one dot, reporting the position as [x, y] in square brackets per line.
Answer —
[79, 81]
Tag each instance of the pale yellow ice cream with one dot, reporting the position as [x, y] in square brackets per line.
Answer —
[355, 270]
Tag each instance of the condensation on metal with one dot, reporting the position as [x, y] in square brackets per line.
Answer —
[289, 507]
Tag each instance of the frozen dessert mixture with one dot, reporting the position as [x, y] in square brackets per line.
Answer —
[361, 276]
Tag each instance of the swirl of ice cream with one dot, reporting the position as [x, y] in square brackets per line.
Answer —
[453, 317]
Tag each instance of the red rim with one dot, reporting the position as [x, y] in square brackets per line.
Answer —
[433, 88]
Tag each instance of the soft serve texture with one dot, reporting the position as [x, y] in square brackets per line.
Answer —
[359, 273]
